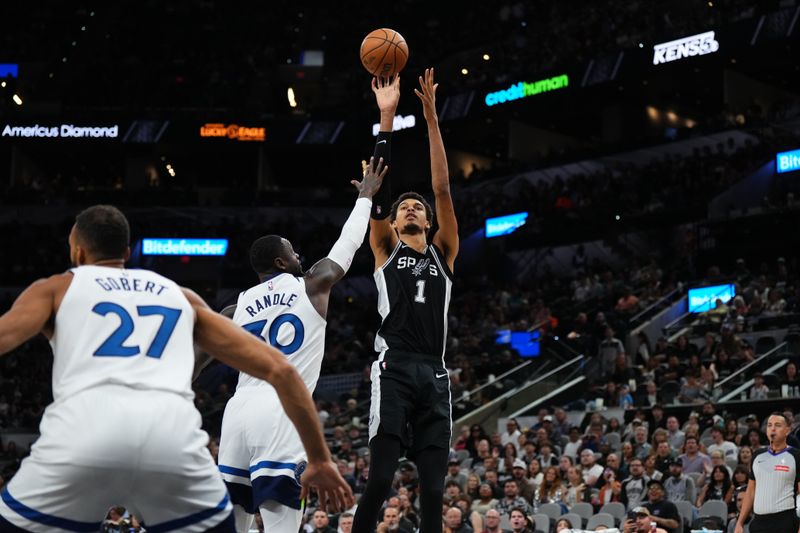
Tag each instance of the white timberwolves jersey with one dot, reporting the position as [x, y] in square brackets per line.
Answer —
[122, 327]
[280, 312]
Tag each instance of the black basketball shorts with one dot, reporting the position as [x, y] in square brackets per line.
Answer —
[411, 400]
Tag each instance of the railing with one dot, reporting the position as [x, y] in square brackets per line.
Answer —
[654, 305]
[504, 375]
[741, 389]
[750, 365]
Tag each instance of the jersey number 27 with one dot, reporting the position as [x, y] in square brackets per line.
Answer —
[114, 345]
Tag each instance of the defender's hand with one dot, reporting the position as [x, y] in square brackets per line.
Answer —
[373, 178]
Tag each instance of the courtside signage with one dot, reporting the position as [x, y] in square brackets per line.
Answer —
[505, 225]
[202, 247]
[705, 298]
[233, 131]
[400, 123]
[523, 89]
[65, 131]
[694, 45]
[787, 161]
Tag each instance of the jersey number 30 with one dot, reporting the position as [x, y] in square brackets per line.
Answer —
[258, 328]
[114, 345]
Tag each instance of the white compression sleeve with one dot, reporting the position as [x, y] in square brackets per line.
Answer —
[352, 234]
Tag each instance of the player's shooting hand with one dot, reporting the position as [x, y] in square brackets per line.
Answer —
[387, 93]
[373, 178]
[428, 95]
[332, 490]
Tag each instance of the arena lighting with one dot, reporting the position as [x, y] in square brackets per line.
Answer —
[694, 45]
[199, 247]
[290, 96]
[64, 131]
[233, 131]
[524, 89]
[705, 298]
[17, 99]
[505, 225]
[787, 161]
[400, 123]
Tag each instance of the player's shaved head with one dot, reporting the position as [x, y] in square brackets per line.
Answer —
[103, 232]
[273, 253]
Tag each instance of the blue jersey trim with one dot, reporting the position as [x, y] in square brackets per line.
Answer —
[225, 469]
[46, 519]
[241, 495]
[769, 450]
[273, 465]
[282, 489]
[178, 523]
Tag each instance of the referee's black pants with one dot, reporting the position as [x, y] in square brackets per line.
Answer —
[776, 522]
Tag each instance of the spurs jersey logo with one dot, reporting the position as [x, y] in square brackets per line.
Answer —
[417, 267]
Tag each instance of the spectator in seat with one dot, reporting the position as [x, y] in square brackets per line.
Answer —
[719, 487]
[512, 499]
[739, 498]
[759, 390]
[485, 501]
[547, 457]
[591, 471]
[634, 487]
[791, 380]
[491, 479]
[610, 348]
[473, 485]
[664, 456]
[575, 488]
[611, 491]
[650, 468]
[651, 396]
[679, 487]
[492, 522]
[640, 445]
[628, 303]
[535, 474]
[511, 434]
[550, 490]
[691, 390]
[454, 473]
[573, 444]
[519, 522]
[564, 464]
[562, 525]
[675, 435]
[321, 522]
[727, 448]
[525, 486]
[642, 523]
[709, 417]
[345, 523]
[694, 461]
[454, 522]
[662, 512]
[709, 347]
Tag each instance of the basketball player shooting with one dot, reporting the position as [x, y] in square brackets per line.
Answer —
[260, 452]
[410, 411]
[123, 357]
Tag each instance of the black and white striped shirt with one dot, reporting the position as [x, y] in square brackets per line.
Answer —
[776, 476]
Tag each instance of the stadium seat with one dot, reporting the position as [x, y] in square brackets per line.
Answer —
[685, 510]
[697, 477]
[467, 463]
[732, 462]
[552, 510]
[584, 510]
[505, 522]
[600, 519]
[574, 519]
[461, 455]
[615, 509]
[792, 341]
[764, 344]
[541, 521]
[714, 508]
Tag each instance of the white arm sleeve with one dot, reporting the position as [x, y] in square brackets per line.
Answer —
[352, 234]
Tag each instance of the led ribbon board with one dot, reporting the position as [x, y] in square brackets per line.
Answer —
[694, 45]
[65, 131]
[523, 89]
[505, 225]
[704, 298]
[200, 247]
[787, 161]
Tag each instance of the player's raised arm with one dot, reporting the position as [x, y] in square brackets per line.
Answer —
[326, 272]
[447, 236]
[382, 238]
[232, 345]
[32, 312]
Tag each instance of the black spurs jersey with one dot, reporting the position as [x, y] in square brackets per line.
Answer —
[413, 297]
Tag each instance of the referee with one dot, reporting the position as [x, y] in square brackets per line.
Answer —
[774, 483]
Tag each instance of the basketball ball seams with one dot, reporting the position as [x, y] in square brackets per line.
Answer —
[380, 63]
[377, 56]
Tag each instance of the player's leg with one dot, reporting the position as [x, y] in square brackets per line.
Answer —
[242, 518]
[432, 468]
[384, 452]
[279, 518]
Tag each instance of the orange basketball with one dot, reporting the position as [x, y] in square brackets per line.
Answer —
[384, 53]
